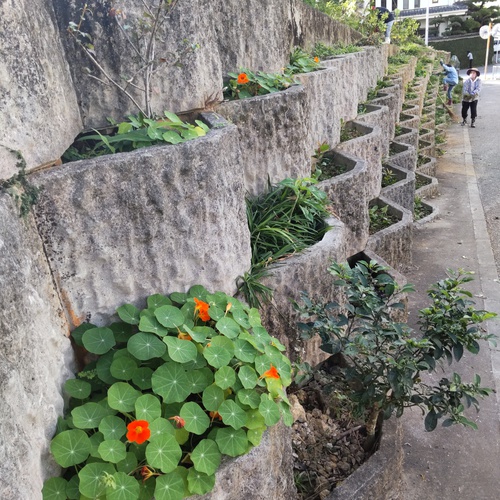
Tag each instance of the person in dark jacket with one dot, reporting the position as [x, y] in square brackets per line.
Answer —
[388, 17]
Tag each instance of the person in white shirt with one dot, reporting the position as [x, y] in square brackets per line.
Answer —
[470, 57]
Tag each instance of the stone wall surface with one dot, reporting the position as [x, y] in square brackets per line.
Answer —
[35, 357]
[38, 107]
[119, 228]
[116, 229]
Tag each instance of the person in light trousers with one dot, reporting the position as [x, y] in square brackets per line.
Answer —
[470, 95]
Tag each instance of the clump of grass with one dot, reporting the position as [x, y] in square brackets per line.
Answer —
[419, 209]
[286, 219]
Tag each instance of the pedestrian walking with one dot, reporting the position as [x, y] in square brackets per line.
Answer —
[470, 95]
[388, 18]
[470, 57]
[450, 80]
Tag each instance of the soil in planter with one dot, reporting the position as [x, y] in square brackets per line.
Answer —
[329, 168]
[380, 218]
[347, 134]
[388, 177]
[422, 160]
[420, 210]
[421, 181]
[327, 442]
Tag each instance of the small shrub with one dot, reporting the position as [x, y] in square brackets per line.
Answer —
[388, 177]
[383, 359]
[419, 209]
[302, 62]
[250, 84]
[325, 166]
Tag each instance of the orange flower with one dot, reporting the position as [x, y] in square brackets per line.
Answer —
[214, 415]
[138, 431]
[316, 59]
[202, 309]
[242, 78]
[271, 373]
[179, 422]
[184, 336]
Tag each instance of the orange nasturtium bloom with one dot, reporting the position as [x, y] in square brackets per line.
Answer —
[146, 473]
[179, 421]
[202, 309]
[242, 78]
[271, 373]
[316, 59]
[138, 431]
[184, 336]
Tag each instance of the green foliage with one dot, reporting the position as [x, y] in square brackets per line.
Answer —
[388, 177]
[384, 360]
[324, 165]
[324, 51]
[405, 32]
[24, 194]
[302, 62]
[137, 132]
[419, 209]
[380, 218]
[200, 376]
[286, 219]
[250, 84]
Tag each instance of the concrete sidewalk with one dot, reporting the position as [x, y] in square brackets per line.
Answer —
[458, 463]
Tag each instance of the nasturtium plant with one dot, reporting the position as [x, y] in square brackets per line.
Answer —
[172, 389]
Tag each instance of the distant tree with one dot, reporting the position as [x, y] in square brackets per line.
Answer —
[482, 14]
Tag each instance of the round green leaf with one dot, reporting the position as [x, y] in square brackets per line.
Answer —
[112, 427]
[269, 410]
[78, 332]
[164, 453]
[232, 414]
[158, 300]
[241, 317]
[103, 366]
[255, 420]
[178, 297]
[88, 416]
[112, 451]
[169, 316]
[260, 334]
[149, 323]
[122, 397]
[201, 333]
[95, 440]
[128, 464]
[72, 488]
[159, 427]
[54, 489]
[217, 356]
[123, 368]
[196, 420]
[171, 383]
[200, 483]
[286, 413]
[254, 317]
[146, 346]
[206, 456]
[180, 350]
[255, 436]
[147, 407]
[232, 442]
[125, 488]
[199, 380]
[129, 314]
[199, 291]
[248, 377]
[213, 397]
[78, 389]
[91, 479]
[122, 331]
[228, 327]
[225, 377]
[170, 487]
[98, 340]
[244, 351]
[249, 397]
[142, 377]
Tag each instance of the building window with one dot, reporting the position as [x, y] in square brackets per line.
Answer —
[383, 3]
[417, 4]
[406, 4]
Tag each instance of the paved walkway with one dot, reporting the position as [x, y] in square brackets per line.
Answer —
[458, 463]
